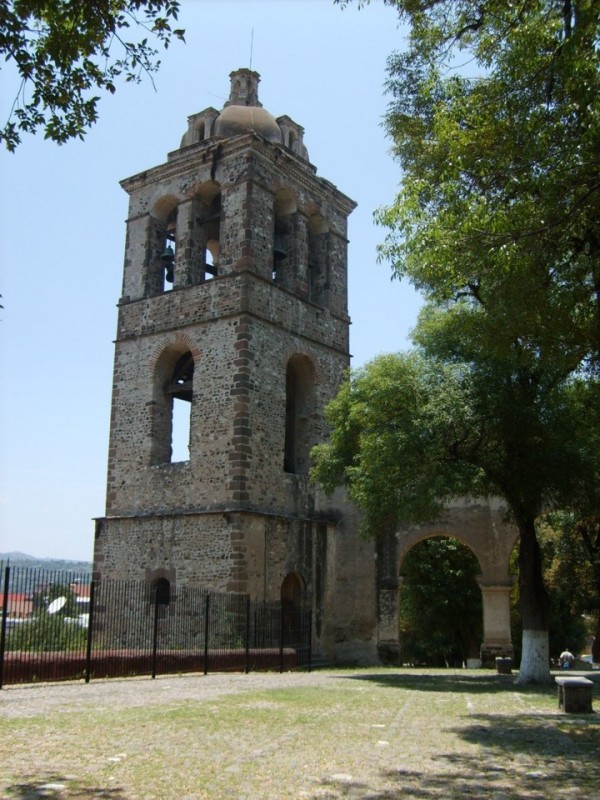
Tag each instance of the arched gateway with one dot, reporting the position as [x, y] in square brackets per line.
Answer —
[481, 526]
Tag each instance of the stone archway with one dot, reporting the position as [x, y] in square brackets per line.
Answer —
[479, 525]
[440, 604]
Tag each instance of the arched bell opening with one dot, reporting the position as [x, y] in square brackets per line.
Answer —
[284, 238]
[207, 229]
[172, 407]
[299, 410]
[168, 255]
[211, 258]
[162, 245]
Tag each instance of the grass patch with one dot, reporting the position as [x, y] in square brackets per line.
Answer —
[379, 734]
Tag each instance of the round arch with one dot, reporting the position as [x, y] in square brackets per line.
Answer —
[482, 526]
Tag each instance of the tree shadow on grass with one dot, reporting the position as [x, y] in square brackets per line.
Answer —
[573, 739]
[59, 787]
[529, 757]
[483, 683]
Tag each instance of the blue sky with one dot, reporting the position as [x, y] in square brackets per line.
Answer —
[62, 229]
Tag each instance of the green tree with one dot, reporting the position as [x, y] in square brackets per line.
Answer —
[47, 630]
[495, 121]
[440, 604]
[571, 548]
[569, 581]
[64, 51]
[411, 431]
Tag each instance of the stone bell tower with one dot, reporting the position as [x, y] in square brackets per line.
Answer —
[233, 318]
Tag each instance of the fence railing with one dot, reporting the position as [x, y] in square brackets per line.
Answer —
[59, 625]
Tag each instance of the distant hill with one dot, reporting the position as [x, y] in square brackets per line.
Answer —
[16, 559]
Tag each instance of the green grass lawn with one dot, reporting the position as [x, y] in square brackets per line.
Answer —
[377, 734]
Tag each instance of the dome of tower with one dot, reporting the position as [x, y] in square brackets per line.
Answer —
[236, 119]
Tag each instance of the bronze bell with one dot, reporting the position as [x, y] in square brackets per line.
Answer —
[168, 257]
[279, 251]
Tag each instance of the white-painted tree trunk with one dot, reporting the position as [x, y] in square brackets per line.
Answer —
[535, 659]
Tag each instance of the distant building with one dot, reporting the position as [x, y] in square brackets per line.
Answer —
[18, 606]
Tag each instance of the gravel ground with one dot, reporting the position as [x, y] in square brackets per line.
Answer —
[69, 697]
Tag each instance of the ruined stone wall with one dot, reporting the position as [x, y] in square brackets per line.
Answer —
[350, 634]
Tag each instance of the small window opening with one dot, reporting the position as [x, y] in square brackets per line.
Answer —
[160, 593]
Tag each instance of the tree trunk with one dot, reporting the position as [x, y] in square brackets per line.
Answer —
[535, 658]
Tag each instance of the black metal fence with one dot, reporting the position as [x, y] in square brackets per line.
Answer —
[59, 625]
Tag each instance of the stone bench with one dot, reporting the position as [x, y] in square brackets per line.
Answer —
[503, 665]
[575, 694]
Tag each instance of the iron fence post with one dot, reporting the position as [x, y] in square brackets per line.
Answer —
[281, 638]
[247, 664]
[206, 621]
[88, 650]
[155, 635]
[4, 618]
[310, 640]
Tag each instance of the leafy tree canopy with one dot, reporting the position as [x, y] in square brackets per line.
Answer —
[64, 52]
[410, 432]
[495, 121]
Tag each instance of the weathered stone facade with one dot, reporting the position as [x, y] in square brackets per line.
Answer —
[253, 335]
[234, 305]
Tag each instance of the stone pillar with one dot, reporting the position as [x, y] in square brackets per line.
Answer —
[191, 246]
[143, 276]
[496, 623]
[388, 643]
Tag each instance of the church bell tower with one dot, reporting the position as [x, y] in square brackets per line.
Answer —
[233, 327]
